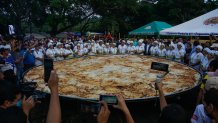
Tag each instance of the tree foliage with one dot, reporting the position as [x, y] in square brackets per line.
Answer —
[116, 16]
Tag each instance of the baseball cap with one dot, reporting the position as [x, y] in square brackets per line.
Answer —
[212, 82]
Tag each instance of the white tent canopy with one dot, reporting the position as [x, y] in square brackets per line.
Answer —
[201, 26]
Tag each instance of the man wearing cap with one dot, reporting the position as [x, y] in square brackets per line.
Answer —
[122, 48]
[196, 57]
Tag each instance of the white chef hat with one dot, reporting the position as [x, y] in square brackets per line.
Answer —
[156, 42]
[107, 43]
[123, 41]
[141, 40]
[67, 45]
[59, 43]
[114, 44]
[50, 44]
[131, 42]
[162, 44]
[78, 44]
[180, 43]
[199, 47]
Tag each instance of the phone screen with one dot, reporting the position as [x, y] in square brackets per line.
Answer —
[109, 99]
[48, 67]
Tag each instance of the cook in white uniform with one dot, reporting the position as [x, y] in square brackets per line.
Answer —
[68, 52]
[180, 53]
[100, 48]
[161, 52]
[107, 49]
[93, 49]
[59, 51]
[196, 57]
[50, 52]
[86, 49]
[154, 48]
[39, 56]
[122, 48]
[113, 49]
[206, 59]
[131, 48]
[170, 54]
[79, 51]
[140, 48]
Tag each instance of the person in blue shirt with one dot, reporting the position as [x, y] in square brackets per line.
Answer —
[29, 58]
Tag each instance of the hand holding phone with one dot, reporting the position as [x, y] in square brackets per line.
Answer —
[48, 67]
[109, 99]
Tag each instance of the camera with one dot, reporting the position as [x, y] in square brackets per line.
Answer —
[109, 99]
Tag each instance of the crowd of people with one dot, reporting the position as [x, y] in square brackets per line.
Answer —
[17, 56]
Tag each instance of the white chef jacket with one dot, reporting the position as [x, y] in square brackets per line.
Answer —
[113, 50]
[179, 55]
[140, 49]
[69, 53]
[106, 50]
[100, 49]
[196, 57]
[93, 51]
[200, 116]
[38, 54]
[153, 50]
[60, 53]
[122, 49]
[161, 53]
[131, 49]
[51, 53]
[85, 50]
[170, 54]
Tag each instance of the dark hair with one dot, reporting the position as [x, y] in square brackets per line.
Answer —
[209, 97]
[172, 113]
[8, 91]
[10, 76]
[214, 65]
[196, 43]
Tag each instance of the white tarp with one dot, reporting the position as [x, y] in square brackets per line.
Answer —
[201, 26]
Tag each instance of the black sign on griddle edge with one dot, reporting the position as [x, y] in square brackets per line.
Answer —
[160, 66]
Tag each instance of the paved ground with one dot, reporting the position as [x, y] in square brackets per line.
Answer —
[143, 112]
